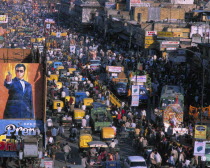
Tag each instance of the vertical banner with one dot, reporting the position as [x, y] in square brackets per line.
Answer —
[72, 49]
[200, 131]
[135, 90]
[199, 148]
[135, 101]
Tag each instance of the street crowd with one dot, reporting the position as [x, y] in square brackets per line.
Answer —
[167, 148]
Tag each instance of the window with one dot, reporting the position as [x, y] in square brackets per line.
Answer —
[139, 17]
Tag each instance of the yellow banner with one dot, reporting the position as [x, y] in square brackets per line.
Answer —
[165, 34]
[200, 131]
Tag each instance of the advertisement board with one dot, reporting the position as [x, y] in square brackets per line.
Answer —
[142, 78]
[135, 3]
[165, 34]
[135, 90]
[143, 93]
[199, 148]
[200, 131]
[150, 33]
[110, 5]
[3, 18]
[114, 69]
[10, 129]
[21, 91]
[135, 101]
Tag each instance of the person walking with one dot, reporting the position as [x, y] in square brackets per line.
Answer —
[67, 150]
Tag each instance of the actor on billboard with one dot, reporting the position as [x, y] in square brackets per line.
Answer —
[20, 102]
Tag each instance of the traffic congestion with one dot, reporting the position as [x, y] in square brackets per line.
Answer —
[95, 102]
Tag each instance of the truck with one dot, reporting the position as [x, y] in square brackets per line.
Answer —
[100, 118]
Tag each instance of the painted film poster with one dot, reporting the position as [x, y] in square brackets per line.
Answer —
[22, 91]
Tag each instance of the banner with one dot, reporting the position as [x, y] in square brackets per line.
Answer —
[3, 19]
[21, 101]
[141, 79]
[200, 131]
[72, 49]
[199, 148]
[135, 90]
[114, 69]
[135, 101]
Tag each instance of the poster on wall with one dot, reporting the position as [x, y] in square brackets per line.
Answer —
[199, 148]
[22, 91]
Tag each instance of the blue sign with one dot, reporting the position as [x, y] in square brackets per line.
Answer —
[8, 154]
[20, 127]
[143, 93]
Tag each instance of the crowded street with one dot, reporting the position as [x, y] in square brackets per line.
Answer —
[77, 97]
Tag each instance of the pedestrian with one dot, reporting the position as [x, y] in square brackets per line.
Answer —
[67, 150]
[84, 161]
[84, 122]
[54, 132]
[171, 161]
[158, 159]
[61, 131]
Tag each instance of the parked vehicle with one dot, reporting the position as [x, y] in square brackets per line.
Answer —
[135, 162]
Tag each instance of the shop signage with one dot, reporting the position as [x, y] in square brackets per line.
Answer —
[135, 90]
[3, 19]
[200, 131]
[139, 78]
[135, 101]
[165, 34]
[199, 148]
[114, 69]
[151, 33]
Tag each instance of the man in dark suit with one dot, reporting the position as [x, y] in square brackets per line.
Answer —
[20, 102]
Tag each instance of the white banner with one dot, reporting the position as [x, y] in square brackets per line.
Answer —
[48, 26]
[135, 90]
[139, 78]
[58, 34]
[199, 148]
[135, 101]
[72, 49]
[114, 69]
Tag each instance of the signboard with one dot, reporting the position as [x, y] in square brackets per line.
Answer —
[48, 164]
[3, 19]
[170, 42]
[58, 34]
[143, 92]
[114, 69]
[135, 101]
[135, 3]
[21, 100]
[8, 154]
[49, 21]
[200, 131]
[165, 34]
[150, 33]
[110, 5]
[48, 26]
[72, 49]
[135, 90]
[199, 148]
[139, 78]
[180, 131]
[184, 39]
[10, 129]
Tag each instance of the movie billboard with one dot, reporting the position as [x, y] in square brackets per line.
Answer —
[22, 91]
[12, 129]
